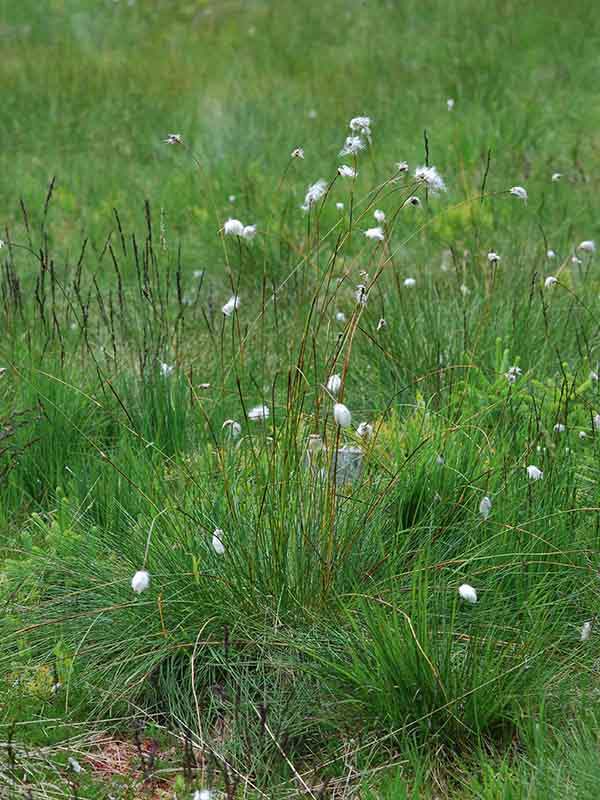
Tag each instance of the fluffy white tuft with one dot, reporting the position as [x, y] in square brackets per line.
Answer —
[375, 233]
[334, 384]
[534, 473]
[352, 146]
[467, 593]
[259, 412]
[431, 178]
[347, 172]
[586, 631]
[588, 246]
[365, 430]
[233, 227]
[485, 507]
[361, 125]
[361, 295]
[314, 193]
[140, 581]
[234, 428]
[217, 542]
[513, 374]
[202, 794]
[231, 305]
[342, 415]
[519, 192]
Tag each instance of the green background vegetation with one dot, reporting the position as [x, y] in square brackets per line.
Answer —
[328, 647]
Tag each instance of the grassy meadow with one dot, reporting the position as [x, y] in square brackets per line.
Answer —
[311, 509]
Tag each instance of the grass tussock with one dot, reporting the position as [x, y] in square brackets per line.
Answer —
[310, 508]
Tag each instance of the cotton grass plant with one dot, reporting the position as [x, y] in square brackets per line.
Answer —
[185, 537]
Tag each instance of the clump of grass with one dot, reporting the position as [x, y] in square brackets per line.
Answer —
[152, 401]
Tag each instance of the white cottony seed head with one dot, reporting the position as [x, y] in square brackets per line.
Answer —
[513, 374]
[519, 192]
[361, 125]
[379, 215]
[233, 227]
[534, 473]
[550, 281]
[202, 794]
[493, 257]
[375, 233]
[347, 172]
[234, 428]
[314, 193]
[365, 430]
[231, 305]
[334, 384]
[361, 294]
[431, 178]
[588, 246]
[298, 152]
[342, 415]
[410, 282]
[586, 631]
[259, 412]
[352, 146]
[467, 593]
[140, 581]
[485, 507]
[217, 541]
